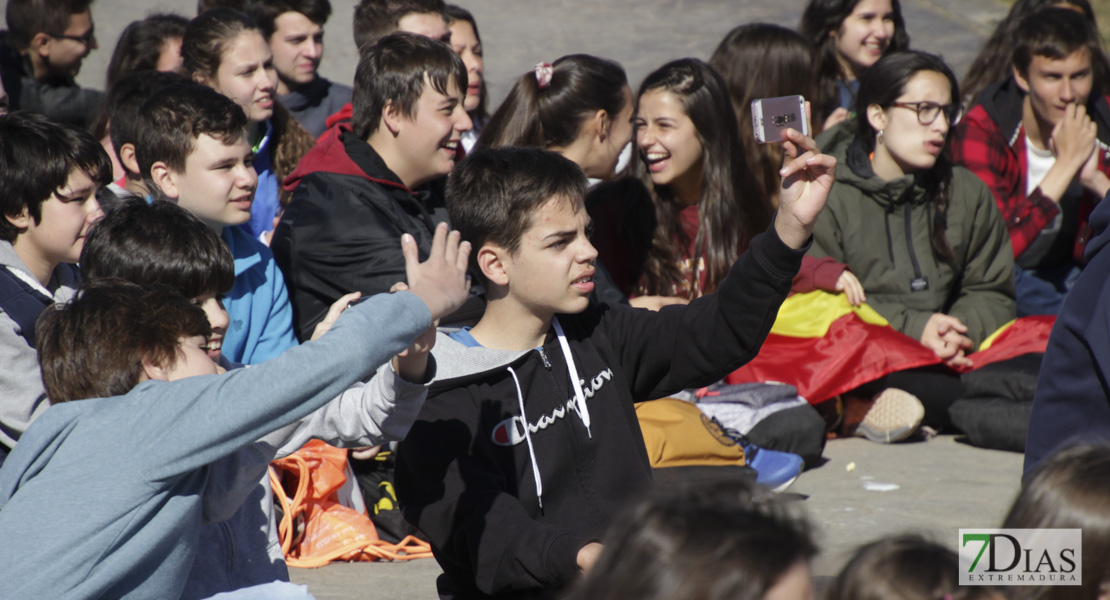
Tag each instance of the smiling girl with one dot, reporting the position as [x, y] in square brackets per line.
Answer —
[225, 50]
[848, 37]
[671, 230]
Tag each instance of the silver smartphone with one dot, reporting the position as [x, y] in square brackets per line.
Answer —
[771, 117]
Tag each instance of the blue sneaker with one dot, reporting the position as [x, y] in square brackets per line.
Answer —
[774, 469]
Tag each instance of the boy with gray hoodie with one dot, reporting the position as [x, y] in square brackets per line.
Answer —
[88, 513]
[49, 177]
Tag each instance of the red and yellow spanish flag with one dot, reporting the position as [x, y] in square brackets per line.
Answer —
[824, 346]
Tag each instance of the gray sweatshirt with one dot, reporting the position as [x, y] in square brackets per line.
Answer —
[22, 398]
[103, 498]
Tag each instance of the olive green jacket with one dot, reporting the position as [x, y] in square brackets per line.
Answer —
[881, 230]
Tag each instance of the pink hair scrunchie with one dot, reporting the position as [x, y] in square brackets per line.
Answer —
[543, 72]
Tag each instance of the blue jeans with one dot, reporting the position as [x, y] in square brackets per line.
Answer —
[1041, 291]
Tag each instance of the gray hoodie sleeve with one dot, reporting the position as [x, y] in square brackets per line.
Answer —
[22, 398]
[365, 414]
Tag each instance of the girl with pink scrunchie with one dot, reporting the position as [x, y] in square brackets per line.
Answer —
[579, 106]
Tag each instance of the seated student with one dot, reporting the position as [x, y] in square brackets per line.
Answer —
[151, 44]
[848, 37]
[224, 50]
[124, 99]
[375, 19]
[49, 176]
[528, 445]
[357, 192]
[467, 43]
[924, 238]
[295, 31]
[162, 243]
[995, 59]
[719, 541]
[192, 144]
[579, 106]
[673, 228]
[763, 60]
[123, 357]
[1072, 401]
[1040, 142]
[52, 37]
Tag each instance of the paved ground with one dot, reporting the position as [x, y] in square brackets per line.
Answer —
[934, 487]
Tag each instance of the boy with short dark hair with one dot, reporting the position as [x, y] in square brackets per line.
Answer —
[375, 19]
[193, 145]
[1041, 141]
[49, 176]
[124, 99]
[161, 243]
[295, 31]
[357, 192]
[52, 37]
[127, 358]
[528, 443]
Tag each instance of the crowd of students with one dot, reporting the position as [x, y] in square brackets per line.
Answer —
[181, 258]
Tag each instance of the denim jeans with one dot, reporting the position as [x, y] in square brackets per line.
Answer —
[1041, 291]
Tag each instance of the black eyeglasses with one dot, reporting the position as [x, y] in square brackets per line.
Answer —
[87, 39]
[927, 112]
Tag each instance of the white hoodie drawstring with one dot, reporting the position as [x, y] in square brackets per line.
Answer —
[528, 438]
[580, 398]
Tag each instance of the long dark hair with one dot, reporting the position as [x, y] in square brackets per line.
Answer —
[762, 60]
[994, 60]
[883, 84]
[458, 13]
[821, 19]
[552, 117]
[733, 207]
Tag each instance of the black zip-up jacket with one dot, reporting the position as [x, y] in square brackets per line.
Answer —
[465, 472]
[342, 230]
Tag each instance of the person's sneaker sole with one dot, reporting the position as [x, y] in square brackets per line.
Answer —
[893, 417]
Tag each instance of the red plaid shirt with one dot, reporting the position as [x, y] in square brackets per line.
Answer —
[981, 145]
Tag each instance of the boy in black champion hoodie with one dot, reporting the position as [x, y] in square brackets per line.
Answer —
[514, 506]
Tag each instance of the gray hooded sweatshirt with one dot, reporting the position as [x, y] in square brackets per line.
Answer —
[22, 398]
[103, 498]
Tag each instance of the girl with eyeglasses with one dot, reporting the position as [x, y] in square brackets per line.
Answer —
[924, 237]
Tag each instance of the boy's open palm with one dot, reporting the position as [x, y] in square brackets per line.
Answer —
[807, 177]
[441, 281]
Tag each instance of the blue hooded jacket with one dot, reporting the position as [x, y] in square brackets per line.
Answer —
[261, 318]
[1072, 401]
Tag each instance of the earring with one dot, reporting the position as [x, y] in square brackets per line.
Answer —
[879, 137]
